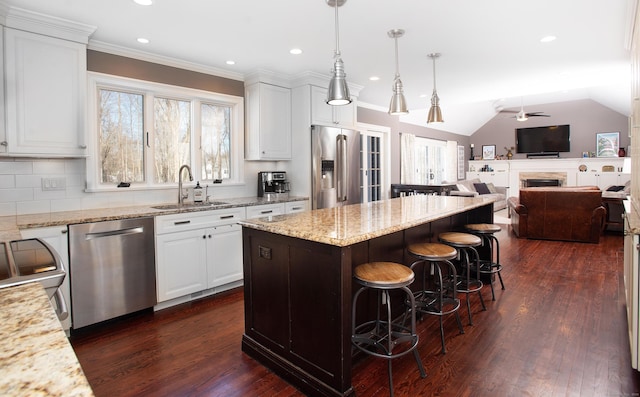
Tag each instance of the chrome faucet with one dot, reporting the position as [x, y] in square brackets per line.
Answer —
[181, 197]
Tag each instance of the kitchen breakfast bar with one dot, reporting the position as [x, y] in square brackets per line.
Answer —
[298, 283]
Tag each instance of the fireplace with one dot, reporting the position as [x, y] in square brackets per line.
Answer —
[532, 179]
[542, 182]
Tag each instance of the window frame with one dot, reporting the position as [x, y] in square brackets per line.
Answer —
[150, 90]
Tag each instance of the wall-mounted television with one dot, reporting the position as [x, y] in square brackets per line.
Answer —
[543, 140]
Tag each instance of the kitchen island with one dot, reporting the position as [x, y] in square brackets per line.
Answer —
[298, 278]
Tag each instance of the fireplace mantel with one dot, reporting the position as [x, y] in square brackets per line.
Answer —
[564, 169]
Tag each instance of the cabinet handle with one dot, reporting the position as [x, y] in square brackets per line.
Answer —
[209, 236]
[204, 236]
[63, 231]
[82, 146]
[295, 208]
[148, 140]
[266, 211]
[4, 143]
[182, 223]
[226, 216]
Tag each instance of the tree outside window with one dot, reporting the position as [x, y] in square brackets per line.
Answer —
[121, 137]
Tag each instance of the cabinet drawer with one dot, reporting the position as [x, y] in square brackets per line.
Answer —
[199, 219]
[295, 206]
[265, 210]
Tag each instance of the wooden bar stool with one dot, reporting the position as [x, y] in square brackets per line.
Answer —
[438, 294]
[467, 282]
[384, 337]
[486, 231]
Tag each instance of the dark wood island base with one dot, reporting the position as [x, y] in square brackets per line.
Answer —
[298, 283]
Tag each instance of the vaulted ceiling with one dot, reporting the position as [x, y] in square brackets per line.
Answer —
[492, 56]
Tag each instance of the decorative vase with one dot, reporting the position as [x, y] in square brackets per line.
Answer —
[622, 152]
[509, 154]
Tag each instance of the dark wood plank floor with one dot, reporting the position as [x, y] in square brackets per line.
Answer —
[559, 329]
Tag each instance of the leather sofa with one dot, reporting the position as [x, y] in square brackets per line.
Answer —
[558, 213]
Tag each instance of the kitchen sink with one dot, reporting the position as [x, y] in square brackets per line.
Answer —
[188, 205]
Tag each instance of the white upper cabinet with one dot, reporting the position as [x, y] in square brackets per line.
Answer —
[45, 95]
[321, 113]
[268, 122]
[45, 74]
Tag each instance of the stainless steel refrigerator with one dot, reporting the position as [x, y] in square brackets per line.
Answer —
[335, 153]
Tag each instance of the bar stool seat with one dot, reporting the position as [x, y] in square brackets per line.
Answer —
[468, 283]
[491, 266]
[384, 337]
[438, 294]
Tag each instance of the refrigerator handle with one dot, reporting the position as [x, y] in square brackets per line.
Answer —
[341, 157]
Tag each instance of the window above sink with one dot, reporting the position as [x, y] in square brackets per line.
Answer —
[140, 129]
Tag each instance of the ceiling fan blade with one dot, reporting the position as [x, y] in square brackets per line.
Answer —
[509, 111]
[537, 115]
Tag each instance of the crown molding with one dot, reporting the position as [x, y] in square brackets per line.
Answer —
[21, 19]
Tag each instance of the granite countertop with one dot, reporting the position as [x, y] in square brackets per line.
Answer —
[342, 226]
[10, 225]
[35, 355]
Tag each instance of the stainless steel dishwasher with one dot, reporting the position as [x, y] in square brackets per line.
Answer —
[112, 269]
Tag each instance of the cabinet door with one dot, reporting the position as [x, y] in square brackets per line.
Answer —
[56, 237]
[587, 179]
[224, 254]
[181, 266]
[499, 178]
[321, 113]
[45, 87]
[268, 118]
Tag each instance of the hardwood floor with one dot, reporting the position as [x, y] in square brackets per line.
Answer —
[559, 329]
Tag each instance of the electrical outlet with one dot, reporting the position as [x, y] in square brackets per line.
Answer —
[59, 183]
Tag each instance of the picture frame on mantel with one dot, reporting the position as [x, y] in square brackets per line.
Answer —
[607, 144]
[488, 152]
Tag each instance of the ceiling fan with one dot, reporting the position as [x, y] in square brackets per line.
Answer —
[521, 115]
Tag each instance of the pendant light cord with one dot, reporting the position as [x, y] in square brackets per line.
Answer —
[337, 54]
[397, 63]
[434, 73]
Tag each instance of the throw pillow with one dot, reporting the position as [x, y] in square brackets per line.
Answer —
[481, 188]
[462, 187]
[614, 188]
[492, 187]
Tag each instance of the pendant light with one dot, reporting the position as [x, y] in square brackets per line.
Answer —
[435, 114]
[398, 104]
[338, 92]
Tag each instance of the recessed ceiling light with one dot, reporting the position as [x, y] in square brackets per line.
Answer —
[230, 62]
[143, 40]
[374, 78]
[547, 39]
[295, 51]
[143, 2]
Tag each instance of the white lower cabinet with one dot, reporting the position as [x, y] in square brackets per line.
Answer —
[225, 244]
[197, 251]
[181, 264]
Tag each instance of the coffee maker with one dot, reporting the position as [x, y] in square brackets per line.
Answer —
[273, 184]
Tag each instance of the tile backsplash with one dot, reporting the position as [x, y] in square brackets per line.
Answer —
[22, 190]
